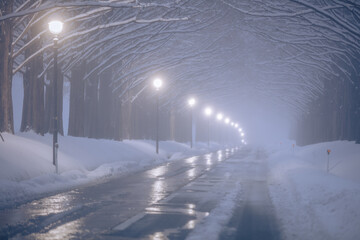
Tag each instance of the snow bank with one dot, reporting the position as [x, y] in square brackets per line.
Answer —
[311, 203]
[27, 169]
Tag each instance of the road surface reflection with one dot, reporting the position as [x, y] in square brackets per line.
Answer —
[121, 202]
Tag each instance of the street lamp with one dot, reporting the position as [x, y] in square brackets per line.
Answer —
[227, 122]
[191, 103]
[219, 116]
[55, 27]
[157, 84]
[208, 112]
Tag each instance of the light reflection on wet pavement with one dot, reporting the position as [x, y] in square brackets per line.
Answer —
[153, 204]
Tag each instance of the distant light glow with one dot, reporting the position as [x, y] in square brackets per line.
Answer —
[219, 116]
[157, 83]
[236, 125]
[208, 111]
[191, 102]
[56, 27]
[232, 123]
[242, 134]
[227, 120]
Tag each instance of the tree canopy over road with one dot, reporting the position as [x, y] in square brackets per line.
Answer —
[296, 58]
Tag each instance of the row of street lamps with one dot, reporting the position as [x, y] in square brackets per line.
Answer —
[220, 117]
[191, 102]
[56, 27]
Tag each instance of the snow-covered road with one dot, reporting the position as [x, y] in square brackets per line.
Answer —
[192, 198]
[254, 215]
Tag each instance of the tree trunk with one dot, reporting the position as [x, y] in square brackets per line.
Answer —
[117, 118]
[6, 107]
[49, 103]
[33, 114]
[126, 112]
[91, 107]
[77, 101]
[106, 103]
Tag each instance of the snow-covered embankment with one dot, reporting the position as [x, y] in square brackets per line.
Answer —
[311, 203]
[27, 170]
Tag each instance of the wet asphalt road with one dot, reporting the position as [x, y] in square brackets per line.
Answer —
[166, 202]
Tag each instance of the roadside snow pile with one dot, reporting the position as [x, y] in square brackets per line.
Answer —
[27, 169]
[311, 203]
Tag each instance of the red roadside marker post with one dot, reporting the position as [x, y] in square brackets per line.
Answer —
[328, 160]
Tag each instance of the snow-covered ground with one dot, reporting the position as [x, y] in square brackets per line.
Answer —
[27, 170]
[311, 203]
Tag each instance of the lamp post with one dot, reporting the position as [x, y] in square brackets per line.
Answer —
[55, 28]
[208, 112]
[191, 103]
[157, 84]
[219, 117]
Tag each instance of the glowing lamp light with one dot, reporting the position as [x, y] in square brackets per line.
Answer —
[227, 120]
[240, 129]
[219, 116]
[157, 83]
[236, 125]
[242, 134]
[232, 124]
[191, 102]
[208, 111]
[55, 27]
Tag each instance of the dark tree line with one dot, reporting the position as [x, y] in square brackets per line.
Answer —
[96, 111]
[112, 49]
[335, 114]
[326, 44]
[106, 101]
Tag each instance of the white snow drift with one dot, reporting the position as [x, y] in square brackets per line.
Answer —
[310, 202]
[27, 169]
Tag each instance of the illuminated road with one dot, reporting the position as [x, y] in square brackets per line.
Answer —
[166, 202]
